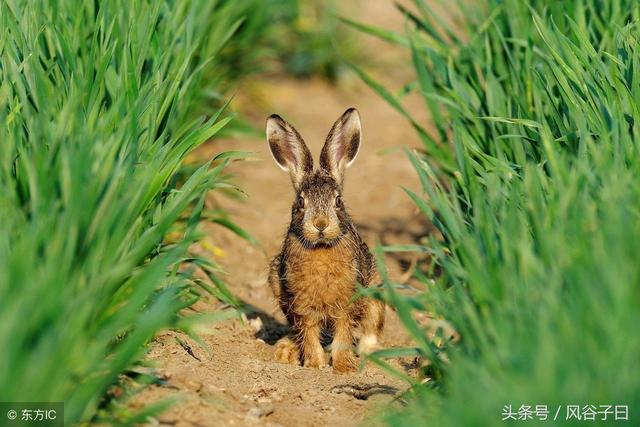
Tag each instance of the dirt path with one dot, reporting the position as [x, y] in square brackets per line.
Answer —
[239, 383]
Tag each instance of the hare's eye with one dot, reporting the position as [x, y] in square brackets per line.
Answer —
[300, 202]
[338, 202]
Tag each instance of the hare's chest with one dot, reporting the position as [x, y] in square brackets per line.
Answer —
[322, 280]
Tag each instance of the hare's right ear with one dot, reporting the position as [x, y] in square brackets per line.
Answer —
[342, 145]
[288, 149]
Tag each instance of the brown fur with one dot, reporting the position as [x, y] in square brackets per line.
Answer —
[323, 257]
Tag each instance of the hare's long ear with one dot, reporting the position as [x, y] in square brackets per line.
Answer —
[342, 145]
[288, 149]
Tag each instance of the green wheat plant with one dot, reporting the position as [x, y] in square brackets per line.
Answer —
[531, 173]
[96, 117]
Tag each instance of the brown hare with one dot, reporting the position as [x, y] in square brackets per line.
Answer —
[323, 258]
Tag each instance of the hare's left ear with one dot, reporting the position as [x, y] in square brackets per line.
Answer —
[342, 144]
[289, 150]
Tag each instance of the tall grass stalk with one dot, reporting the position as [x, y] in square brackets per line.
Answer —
[532, 175]
[96, 102]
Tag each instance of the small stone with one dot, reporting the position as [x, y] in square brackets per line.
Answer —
[260, 411]
[255, 324]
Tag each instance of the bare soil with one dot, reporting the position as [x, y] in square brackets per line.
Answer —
[238, 382]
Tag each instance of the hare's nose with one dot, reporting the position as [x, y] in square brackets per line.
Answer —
[321, 223]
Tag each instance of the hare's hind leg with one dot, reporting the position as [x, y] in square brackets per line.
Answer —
[372, 324]
[274, 278]
[287, 351]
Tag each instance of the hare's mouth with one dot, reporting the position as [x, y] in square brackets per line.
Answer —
[323, 240]
[320, 240]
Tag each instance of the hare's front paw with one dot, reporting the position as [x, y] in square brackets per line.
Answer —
[316, 360]
[344, 362]
[287, 351]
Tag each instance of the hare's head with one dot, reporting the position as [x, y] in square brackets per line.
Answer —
[318, 215]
